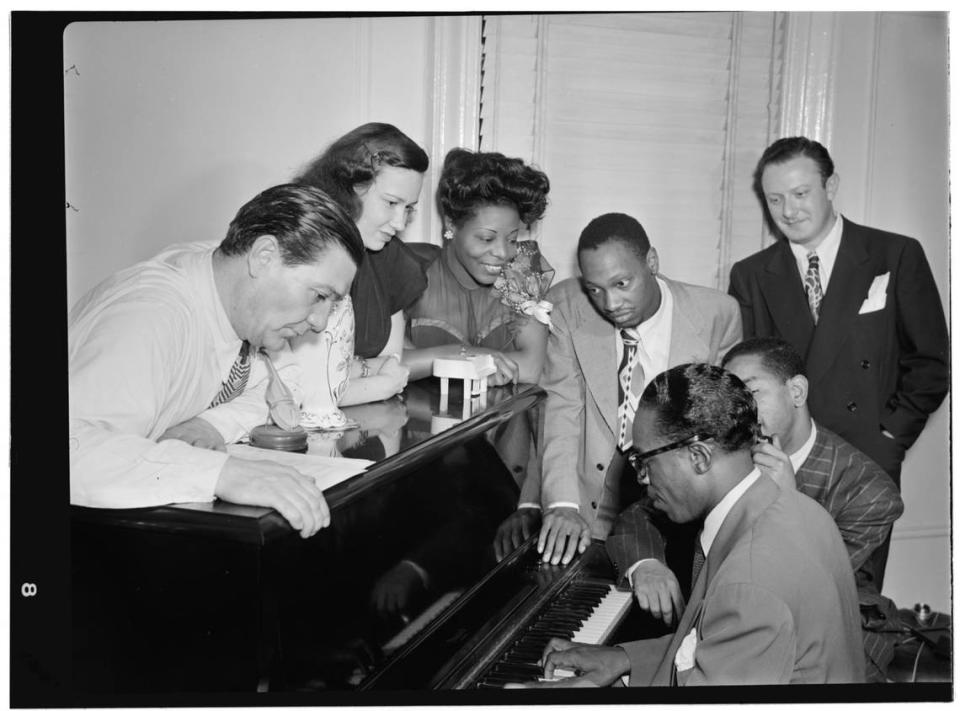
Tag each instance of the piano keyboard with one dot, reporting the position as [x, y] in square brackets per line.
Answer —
[585, 612]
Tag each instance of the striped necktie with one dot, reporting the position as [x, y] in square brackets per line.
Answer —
[237, 378]
[812, 285]
[629, 377]
[698, 560]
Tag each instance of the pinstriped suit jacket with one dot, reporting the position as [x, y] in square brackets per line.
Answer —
[860, 497]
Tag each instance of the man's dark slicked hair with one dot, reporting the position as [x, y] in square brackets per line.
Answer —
[776, 355]
[614, 227]
[697, 398]
[304, 220]
[782, 150]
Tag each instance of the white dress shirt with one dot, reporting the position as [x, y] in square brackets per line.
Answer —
[654, 334]
[148, 348]
[800, 456]
[714, 519]
[827, 251]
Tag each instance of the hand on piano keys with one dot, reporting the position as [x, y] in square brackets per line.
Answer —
[568, 631]
[567, 664]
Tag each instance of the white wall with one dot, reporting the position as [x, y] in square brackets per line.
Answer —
[172, 126]
[890, 145]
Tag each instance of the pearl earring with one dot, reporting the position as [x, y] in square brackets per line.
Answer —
[448, 233]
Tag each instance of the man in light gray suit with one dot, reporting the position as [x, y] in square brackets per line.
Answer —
[616, 328]
[773, 600]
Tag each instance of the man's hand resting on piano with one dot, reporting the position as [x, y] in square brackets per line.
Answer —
[594, 665]
[564, 532]
[657, 590]
[515, 529]
[295, 496]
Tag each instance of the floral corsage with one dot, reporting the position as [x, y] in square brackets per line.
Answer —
[524, 281]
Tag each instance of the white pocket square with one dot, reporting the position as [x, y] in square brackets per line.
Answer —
[685, 654]
[877, 296]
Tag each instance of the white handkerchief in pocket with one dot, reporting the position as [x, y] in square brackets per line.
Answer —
[877, 296]
[685, 654]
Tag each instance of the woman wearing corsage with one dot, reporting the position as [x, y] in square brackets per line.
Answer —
[485, 290]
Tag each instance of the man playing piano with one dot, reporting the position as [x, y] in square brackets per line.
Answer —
[773, 599]
[860, 497]
[161, 355]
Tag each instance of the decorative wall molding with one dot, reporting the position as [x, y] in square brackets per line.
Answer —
[455, 95]
[910, 532]
[809, 62]
[456, 84]
[724, 247]
[874, 97]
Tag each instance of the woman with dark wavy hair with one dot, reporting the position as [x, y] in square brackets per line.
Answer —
[375, 172]
[485, 288]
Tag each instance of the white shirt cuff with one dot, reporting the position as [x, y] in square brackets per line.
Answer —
[551, 507]
[632, 568]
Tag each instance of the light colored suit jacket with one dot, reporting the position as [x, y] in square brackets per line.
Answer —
[775, 603]
[859, 496]
[580, 459]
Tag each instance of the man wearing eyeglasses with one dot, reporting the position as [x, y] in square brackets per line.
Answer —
[800, 454]
[774, 599]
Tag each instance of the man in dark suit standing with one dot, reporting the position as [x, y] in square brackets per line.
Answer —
[859, 304]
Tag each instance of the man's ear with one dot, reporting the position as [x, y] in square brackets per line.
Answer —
[653, 261]
[701, 457]
[799, 387]
[831, 186]
[264, 254]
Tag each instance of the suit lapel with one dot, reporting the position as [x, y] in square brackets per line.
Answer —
[741, 517]
[594, 341]
[783, 291]
[687, 338]
[846, 290]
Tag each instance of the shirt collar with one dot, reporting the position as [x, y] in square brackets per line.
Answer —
[645, 331]
[714, 519]
[800, 456]
[826, 250]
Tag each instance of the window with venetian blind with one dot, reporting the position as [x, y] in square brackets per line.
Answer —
[659, 115]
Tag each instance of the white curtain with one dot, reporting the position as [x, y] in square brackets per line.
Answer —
[659, 115]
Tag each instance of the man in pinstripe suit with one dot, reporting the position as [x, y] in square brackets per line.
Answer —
[858, 494]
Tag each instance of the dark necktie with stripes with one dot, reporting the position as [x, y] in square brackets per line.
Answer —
[698, 560]
[628, 375]
[237, 378]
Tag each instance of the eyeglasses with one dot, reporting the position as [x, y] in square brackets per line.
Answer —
[638, 460]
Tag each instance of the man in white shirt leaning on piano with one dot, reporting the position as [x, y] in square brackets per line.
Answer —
[161, 354]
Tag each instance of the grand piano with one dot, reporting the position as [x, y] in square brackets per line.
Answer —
[402, 592]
